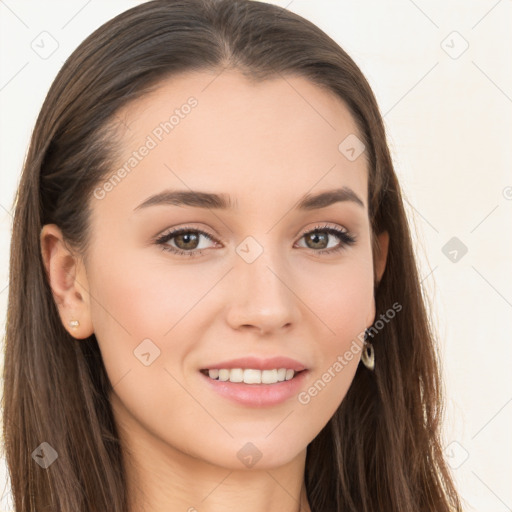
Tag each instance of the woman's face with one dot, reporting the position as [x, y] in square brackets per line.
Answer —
[252, 280]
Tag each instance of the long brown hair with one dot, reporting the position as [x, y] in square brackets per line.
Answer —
[381, 451]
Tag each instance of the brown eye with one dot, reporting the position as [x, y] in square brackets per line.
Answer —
[318, 239]
[188, 240]
[184, 241]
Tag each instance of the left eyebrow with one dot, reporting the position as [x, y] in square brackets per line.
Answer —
[324, 199]
[199, 199]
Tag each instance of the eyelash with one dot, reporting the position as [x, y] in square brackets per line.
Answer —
[346, 240]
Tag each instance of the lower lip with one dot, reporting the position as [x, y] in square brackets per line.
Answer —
[258, 395]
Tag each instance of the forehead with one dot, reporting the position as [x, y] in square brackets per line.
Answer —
[220, 132]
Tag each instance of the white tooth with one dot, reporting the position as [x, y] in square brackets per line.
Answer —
[269, 376]
[236, 375]
[252, 376]
[224, 375]
[281, 374]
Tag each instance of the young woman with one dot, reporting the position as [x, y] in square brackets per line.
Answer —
[214, 302]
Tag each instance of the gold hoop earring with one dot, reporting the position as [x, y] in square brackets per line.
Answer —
[368, 354]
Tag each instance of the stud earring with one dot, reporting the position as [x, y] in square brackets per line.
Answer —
[74, 324]
[368, 354]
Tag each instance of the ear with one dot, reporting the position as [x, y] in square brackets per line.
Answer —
[68, 280]
[381, 255]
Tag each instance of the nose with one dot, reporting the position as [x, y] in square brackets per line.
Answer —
[262, 296]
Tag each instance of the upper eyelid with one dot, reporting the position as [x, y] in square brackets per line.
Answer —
[318, 227]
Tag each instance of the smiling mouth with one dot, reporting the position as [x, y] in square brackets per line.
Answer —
[251, 376]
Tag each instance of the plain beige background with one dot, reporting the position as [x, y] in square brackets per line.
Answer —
[441, 73]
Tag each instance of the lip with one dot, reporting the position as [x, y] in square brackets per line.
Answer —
[257, 395]
[259, 364]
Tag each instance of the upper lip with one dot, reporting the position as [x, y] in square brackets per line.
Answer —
[259, 363]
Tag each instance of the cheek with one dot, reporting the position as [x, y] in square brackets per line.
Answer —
[147, 309]
[342, 300]
[341, 296]
[141, 298]
[137, 304]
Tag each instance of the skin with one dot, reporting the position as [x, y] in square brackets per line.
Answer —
[266, 145]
